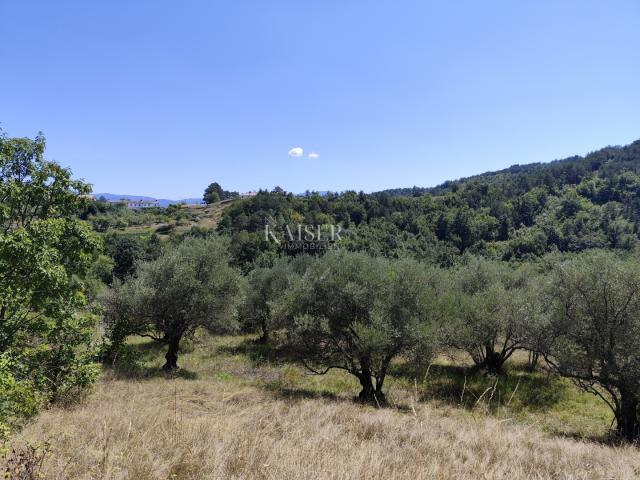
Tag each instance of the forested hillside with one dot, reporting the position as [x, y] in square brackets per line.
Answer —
[526, 210]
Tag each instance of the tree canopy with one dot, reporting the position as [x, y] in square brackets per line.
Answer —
[357, 313]
[187, 287]
[596, 331]
[45, 253]
[214, 193]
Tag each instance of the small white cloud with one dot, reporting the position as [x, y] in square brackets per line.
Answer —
[296, 152]
[314, 155]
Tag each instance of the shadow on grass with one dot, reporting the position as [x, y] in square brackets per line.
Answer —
[462, 386]
[290, 393]
[258, 353]
[516, 391]
[136, 361]
[609, 439]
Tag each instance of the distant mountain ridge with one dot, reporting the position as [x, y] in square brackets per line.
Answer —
[163, 202]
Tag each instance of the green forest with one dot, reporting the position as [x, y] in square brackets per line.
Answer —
[520, 213]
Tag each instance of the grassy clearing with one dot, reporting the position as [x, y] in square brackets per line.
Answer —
[202, 216]
[233, 411]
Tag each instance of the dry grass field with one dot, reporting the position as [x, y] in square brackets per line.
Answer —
[202, 216]
[233, 413]
[207, 216]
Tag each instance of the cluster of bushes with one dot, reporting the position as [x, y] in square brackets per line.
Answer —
[107, 216]
[580, 314]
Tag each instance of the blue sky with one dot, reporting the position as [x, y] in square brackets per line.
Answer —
[161, 98]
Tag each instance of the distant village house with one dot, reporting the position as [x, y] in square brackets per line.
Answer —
[135, 204]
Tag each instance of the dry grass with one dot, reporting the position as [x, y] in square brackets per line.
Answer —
[203, 216]
[207, 216]
[229, 419]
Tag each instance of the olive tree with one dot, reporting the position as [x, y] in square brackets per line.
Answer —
[493, 312]
[357, 313]
[266, 285]
[187, 287]
[596, 331]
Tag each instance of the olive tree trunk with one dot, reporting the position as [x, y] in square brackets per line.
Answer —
[627, 416]
[173, 346]
[532, 362]
[371, 393]
[491, 360]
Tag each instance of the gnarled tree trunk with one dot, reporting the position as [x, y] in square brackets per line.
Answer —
[490, 360]
[627, 416]
[173, 345]
[371, 393]
[367, 394]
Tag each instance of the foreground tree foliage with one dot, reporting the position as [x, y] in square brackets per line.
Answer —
[188, 287]
[357, 313]
[45, 252]
[596, 331]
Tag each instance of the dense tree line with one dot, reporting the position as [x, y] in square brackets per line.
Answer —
[580, 313]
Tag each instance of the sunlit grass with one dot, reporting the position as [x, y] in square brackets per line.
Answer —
[238, 410]
[540, 399]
